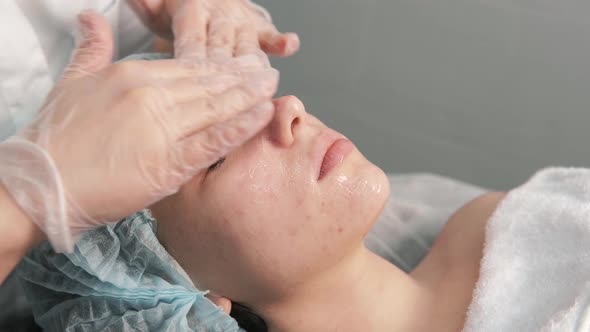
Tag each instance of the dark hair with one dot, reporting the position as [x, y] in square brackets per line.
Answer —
[247, 319]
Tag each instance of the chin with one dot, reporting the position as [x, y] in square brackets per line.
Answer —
[375, 199]
[379, 184]
[366, 188]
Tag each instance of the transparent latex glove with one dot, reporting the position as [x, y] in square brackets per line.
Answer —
[112, 139]
[201, 28]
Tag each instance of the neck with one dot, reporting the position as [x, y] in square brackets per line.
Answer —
[363, 293]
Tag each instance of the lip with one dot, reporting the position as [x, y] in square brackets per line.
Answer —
[333, 145]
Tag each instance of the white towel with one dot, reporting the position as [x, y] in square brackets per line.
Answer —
[535, 273]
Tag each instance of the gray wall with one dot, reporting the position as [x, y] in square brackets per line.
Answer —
[486, 91]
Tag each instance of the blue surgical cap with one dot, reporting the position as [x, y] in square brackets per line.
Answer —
[119, 278]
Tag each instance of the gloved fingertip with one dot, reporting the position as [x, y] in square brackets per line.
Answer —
[285, 45]
[282, 45]
[86, 23]
[86, 14]
[292, 44]
[95, 45]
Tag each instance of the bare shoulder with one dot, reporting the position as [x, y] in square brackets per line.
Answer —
[460, 243]
[462, 239]
[481, 206]
[451, 269]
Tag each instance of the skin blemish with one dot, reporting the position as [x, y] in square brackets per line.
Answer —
[339, 229]
[300, 202]
[240, 213]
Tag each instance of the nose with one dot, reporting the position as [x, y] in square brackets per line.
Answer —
[289, 114]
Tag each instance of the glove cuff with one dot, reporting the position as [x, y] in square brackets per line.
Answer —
[30, 175]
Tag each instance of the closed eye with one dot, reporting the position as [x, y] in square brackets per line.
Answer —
[215, 165]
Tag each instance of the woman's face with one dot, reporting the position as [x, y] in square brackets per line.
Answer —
[286, 206]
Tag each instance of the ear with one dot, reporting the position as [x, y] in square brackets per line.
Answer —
[220, 301]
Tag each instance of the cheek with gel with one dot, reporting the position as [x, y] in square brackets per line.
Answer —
[260, 173]
[268, 176]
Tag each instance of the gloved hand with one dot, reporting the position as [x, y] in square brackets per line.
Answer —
[114, 138]
[201, 27]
